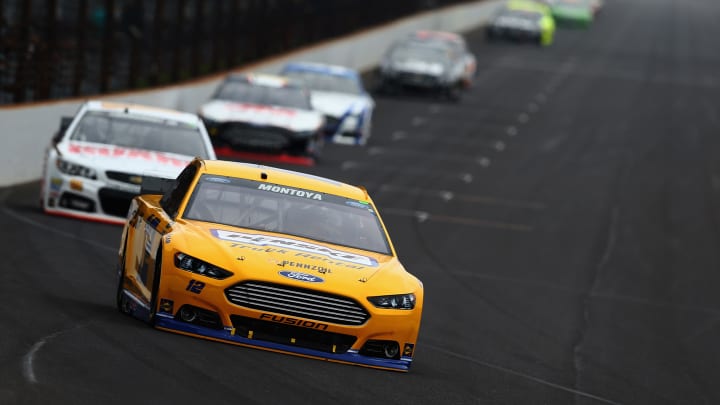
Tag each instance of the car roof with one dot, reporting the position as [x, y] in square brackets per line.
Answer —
[139, 109]
[528, 5]
[335, 70]
[283, 177]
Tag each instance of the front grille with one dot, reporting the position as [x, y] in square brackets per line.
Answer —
[417, 79]
[253, 138]
[129, 178]
[300, 302]
[115, 202]
[76, 202]
[305, 337]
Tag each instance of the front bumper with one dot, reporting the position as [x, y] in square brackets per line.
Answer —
[83, 198]
[513, 33]
[241, 137]
[385, 338]
[228, 334]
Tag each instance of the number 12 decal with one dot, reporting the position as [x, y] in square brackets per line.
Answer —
[195, 286]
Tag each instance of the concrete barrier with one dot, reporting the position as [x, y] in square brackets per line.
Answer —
[26, 129]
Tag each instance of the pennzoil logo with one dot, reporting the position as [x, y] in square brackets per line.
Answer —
[294, 321]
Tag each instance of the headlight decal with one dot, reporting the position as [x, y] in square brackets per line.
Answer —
[197, 266]
[74, 169]
[400, 301]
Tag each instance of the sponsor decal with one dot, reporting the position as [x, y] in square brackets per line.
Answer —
[358, 204]
[76, 185]
[312, 249]
[296, 275]
[290, 191]
[166, 305]
[259, 109]
[56, 184]
[306, 266]
[217, 180]
[408, 350]
[195, 286]
[117, 152]
[294, 321]
[135, 180]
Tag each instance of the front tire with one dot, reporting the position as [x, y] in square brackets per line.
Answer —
[155, 288]
[121, 300]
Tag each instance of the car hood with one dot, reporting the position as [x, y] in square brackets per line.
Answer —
[262, 115]
[128, 160]
[338, 104]
[292, 260]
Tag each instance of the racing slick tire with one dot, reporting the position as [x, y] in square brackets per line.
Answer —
[454, 92]
[155, 287]
[123, 305]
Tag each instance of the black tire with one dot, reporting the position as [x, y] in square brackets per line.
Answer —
[454, 92]
[120, 299]
[155, 287]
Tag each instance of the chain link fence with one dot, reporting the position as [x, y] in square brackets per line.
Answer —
[53, 49]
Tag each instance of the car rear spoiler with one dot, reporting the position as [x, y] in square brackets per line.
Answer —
[156, 185]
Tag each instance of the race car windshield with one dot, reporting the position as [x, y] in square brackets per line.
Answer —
[521, 14]
[140, 132]
[236, 90]
[420, 52]
[326, 82]
[268, 207]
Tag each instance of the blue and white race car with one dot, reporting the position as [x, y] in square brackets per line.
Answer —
[339, 94]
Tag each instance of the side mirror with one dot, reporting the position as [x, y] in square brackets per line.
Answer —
[64, 124]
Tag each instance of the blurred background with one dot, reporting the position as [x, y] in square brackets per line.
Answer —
[53, 49]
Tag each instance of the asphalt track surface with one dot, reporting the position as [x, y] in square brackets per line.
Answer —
[564, 217]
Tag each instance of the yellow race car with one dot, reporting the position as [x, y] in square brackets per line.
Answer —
[269, 258]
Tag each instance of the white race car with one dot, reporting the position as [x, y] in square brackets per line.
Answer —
[261, 116]
[338, 93]
[95, 162]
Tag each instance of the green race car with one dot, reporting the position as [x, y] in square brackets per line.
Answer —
[572, 13]
[522, 25]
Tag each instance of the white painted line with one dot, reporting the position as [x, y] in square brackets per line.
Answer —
[523, 118]
[533, 107]
[348, 164]
[435, 108]
[511, 131]
[56, 231]
[520, 374]
[418, 121]
[541, 97]
[375, 150]
[470, 198]
[483, 161]
[28, 366]
[423, 216]
[398, 135]
[500, 146]
[424, 153]
[415, 170]
[467, 178]
[447, 195]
